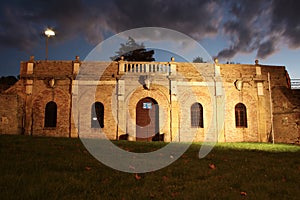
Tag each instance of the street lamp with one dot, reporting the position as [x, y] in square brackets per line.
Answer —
[48, 33]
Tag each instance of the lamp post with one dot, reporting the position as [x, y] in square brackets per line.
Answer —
[48, 33]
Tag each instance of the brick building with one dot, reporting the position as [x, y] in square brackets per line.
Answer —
[170, 101]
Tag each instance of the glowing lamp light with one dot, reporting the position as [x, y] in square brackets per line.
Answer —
[49, 32]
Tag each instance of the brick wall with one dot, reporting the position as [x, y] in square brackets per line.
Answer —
[174, 109]
[10, 114]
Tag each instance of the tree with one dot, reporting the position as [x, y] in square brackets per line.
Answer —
[198, 59]
[6, 82]
[132, 51]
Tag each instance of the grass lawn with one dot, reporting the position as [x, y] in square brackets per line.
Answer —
[61, 168]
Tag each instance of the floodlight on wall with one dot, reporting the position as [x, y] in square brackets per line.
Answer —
[48, 33]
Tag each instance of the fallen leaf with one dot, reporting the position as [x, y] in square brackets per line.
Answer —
[151, 195]
[225, 159]
[87, 168]
[212, 166]
[105, 180]
[244, 193]
[165, 178]
[137, 177]
[127, 149]
[131, 167]
[174, 194]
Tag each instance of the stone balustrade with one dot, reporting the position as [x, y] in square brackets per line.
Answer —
[146, 67]
[295, 84]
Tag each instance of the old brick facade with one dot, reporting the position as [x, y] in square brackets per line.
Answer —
[185, 101]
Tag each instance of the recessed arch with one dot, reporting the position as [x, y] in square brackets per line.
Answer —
[50, 115]
[97, 115]
[197, 115]
[147, 119]
[240, 116]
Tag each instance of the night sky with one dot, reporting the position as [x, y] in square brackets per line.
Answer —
[234, 30]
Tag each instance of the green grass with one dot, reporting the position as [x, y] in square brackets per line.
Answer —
[61, 168]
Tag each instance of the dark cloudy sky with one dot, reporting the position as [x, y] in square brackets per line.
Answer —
[233, 30]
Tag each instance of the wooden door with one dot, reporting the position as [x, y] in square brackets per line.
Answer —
[147, 122]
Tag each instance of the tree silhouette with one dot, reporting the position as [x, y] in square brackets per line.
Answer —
[6, 82]
[198, 59]
[132, 51]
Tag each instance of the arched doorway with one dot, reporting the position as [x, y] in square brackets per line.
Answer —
[50, 115]
[147, 119]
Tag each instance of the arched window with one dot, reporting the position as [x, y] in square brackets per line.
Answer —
[50, 114]
[197, 115]
[240, 115]
[97, 115]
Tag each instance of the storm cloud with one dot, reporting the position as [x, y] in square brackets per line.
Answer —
[248, 26]
[260, 26]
